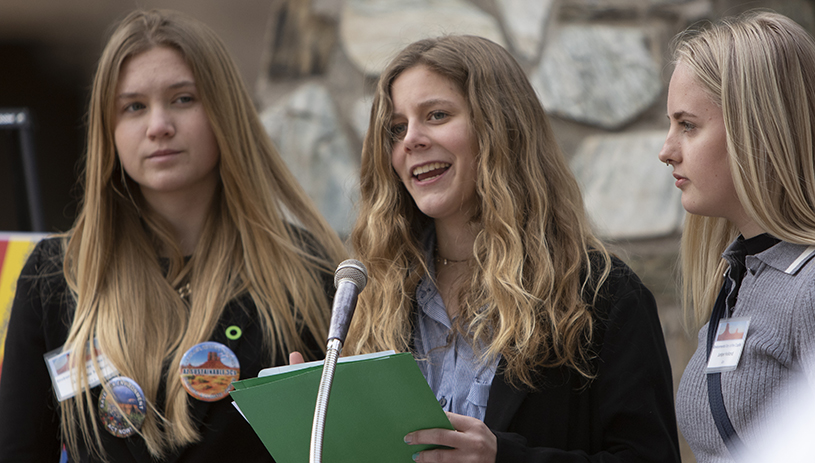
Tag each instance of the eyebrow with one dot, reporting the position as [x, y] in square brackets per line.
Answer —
[175, 86]
[680, 114]
[431, 102]
[434, 102]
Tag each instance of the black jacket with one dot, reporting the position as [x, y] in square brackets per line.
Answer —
[625, 414]
[29, 414]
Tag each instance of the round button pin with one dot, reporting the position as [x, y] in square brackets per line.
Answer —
[122, 410]
[208, 369]
[234, 333]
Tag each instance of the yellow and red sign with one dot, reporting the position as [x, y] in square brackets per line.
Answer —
[14, 250]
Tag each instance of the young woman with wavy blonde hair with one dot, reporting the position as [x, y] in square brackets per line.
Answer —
[482, 263]
[191, 230]
[742, 146]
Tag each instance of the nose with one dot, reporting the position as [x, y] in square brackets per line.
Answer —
[415, 138]
[160, 123]
[668, 154]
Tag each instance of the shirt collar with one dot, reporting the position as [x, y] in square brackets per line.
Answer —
[787, 257]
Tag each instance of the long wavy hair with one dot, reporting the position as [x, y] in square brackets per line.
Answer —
[531, 282]
[760, 69]
[124, 297]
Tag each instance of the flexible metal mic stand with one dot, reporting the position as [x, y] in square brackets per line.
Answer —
[318, 426]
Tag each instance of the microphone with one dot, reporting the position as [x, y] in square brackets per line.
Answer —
[350, 279]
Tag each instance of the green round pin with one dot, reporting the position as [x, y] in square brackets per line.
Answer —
[233, 332]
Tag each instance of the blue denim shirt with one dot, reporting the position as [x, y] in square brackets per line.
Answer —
[460, 381]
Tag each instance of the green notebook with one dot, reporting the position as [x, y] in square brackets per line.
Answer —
[374, 402]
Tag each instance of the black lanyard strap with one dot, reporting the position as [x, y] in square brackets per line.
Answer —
[714, 380]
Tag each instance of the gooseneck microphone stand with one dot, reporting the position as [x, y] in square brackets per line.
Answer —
[318, 426]
[349, 279]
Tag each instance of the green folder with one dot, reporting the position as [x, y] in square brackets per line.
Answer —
[374, 403]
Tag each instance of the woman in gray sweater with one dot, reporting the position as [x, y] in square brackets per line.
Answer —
[741, 106]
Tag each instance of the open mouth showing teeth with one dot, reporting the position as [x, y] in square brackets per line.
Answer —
[429, 171]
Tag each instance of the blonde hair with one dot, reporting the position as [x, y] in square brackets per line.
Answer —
[123, 296]
[760, 69]
[526, 298]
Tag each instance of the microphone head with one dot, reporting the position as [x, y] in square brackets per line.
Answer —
[352, 270]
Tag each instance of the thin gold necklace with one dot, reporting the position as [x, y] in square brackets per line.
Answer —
[445, 261]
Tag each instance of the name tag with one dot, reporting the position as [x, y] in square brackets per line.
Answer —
[59, 368]
[728, 345]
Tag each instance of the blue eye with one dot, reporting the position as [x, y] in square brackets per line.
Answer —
[398, 130]
[437, 115]
[687, 126]
[185, 99]
[134, 107]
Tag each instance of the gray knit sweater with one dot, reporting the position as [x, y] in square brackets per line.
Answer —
[778, 294]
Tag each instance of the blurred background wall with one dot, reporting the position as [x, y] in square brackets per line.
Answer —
[601, 68]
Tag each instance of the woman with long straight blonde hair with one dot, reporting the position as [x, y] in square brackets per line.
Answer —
[196, 259]
[539, 344]
[741, 104]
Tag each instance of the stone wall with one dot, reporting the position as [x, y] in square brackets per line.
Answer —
[600, 67]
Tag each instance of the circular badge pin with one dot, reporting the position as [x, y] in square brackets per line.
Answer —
[234, 332]
[207, 371]
[122, 410]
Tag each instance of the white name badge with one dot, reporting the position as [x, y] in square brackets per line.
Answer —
[59, 368]
[728, 344]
